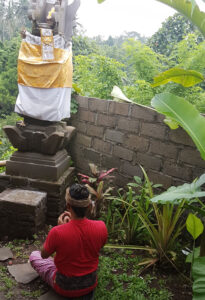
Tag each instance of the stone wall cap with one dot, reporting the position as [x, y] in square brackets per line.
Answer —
[24, 197]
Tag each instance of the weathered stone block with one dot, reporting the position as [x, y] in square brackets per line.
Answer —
[181, 137]
[82, 101]
[108, 161]
[164, 149]
[23, 212]
[137, 143]
[86, 115]
[142, 112]
[131, 170]
[153, 130]
[158, 177]
[83, 140]
[92, 156]
[123, 153]
[114, 136]
[95, 130]
[192, 157]
[128, 125]
[80, 126]
[107, 121]
[102, 146]
[149, 161]
[98, 105]
[172, 169]
[118, 108]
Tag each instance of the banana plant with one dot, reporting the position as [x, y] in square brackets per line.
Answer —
[188, 8]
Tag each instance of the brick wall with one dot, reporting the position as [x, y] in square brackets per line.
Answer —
[124, 135]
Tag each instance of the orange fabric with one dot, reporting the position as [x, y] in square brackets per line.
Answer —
[34, 72]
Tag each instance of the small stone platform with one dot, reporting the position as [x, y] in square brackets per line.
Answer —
[22, 212]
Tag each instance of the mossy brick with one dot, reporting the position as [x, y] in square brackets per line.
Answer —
[163, 148]
[137, 143]
[128, 125]
[180, 136]
[177, 171]
[118, 108]
[82, 140]
[114, 136]
[142, 112]
[98, 105]
[92, 156]
[122, 153]
[82, 101]
[160, 178]
[149, 161]
[105, 120]
[86, 115]
[131, 170]
[192, 157]
[102, 146]
[153, 130]
[96, 131]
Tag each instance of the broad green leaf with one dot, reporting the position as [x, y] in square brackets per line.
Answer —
[101, 1]
[190, 255]
[186, 78]
[190, 10]
[185, 114]
[198, 273]
[186, 191]
[194, 226]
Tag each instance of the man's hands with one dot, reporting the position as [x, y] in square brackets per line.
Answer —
[64, 218]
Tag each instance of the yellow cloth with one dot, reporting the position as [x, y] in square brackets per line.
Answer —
[34, 72]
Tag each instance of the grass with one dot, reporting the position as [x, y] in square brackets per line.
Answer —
[119, 279]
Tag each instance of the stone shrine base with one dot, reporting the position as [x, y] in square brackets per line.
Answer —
[55, 190]
[22, 212]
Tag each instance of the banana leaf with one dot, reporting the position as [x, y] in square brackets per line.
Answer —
[187, 191]
[186, 78]
[189, 9]
[185, 114]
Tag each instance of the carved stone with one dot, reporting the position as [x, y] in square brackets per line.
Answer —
[37, 165]
[41, 137]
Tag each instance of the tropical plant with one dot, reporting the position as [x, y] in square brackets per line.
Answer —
[96, 186]
[178, 110]
[163, 227]
[189, 194]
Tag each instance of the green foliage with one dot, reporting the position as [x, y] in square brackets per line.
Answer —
[96, 75]
[194, 226]
[186, 78]
[173, 30]
[140, 92]
[198, 274]
[185, 114]
[143, 63]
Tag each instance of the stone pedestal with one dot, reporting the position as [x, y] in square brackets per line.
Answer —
[22, 212]
[55, 190]
[37, 165]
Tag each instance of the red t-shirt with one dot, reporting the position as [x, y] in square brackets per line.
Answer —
[77, 245]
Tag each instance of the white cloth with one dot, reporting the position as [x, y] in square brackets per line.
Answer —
[43, 104]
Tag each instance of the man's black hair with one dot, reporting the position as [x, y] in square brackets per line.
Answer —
[79, 192]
